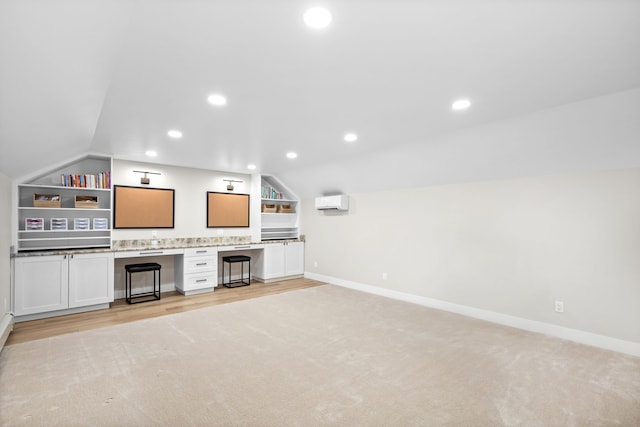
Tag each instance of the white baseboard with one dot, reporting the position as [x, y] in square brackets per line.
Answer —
[588, 338]
[6, 326]
[28, 317]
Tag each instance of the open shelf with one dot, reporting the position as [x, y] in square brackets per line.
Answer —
[69, 197]
[61, 187]
[278, 225]
[279, 233]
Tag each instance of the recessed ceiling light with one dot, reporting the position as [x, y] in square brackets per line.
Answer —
[350, 137]
[291, 155]
[217, 99]
[251, 166]
[461, 104]
[151, 153]
[317, 17]
[174, 133]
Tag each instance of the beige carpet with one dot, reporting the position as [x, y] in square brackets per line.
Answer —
[319, 356]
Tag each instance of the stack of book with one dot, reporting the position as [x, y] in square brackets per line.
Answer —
[98, 180]
[271, 193]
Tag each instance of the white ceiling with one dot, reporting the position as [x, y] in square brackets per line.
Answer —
[113, 77]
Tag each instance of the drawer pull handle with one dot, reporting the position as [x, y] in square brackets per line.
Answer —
[204, 251]
[201, 280]
[201, 263]
[242, 247]
[152, 253]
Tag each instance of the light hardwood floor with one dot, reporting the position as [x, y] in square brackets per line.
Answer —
[171, 302]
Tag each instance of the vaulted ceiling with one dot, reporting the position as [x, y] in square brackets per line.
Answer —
[113, 77]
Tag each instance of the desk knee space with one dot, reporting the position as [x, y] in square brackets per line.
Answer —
[232, 260]
[142, 296]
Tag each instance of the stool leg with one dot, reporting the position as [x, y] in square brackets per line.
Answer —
[127, 287]
[159, 284]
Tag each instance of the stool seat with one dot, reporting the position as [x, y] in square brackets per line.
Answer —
[231, 260]
[147, 266]
[143, 296]
[236, 258]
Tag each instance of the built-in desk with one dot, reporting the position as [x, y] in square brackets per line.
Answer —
[183, 277]
[53, 283]
[196, 268]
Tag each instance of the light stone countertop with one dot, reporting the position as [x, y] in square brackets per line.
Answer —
[172, 243]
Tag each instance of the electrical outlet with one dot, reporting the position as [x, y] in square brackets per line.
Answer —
[559, 307]
[315, 264]
[154, 234]
[384, 276]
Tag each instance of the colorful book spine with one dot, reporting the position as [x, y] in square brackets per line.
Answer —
[268, 192]
[99, 180]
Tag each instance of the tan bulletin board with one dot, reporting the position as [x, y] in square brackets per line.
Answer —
[227, 210]
[143, 207]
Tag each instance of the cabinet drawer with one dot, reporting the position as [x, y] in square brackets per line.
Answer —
[199, 264]
[189, 252]
[200, 281]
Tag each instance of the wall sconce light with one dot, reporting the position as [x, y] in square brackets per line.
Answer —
[145, 178]
[230, 183]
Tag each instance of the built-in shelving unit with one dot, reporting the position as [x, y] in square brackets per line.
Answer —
[279, 211]
[75, 217]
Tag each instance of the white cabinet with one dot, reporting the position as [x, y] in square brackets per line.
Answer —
[273, 266]
[41, 284]
[198, 271]
[293, 258]
[280, 260]
[50, 283]
[90, 279]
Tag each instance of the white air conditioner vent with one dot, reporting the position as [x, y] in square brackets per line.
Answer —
[339, 202]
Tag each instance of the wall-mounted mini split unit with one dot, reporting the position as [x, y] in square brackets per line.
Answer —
[337, 203]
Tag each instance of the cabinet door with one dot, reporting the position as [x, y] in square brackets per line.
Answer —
[90, 279]
[274, 260]
[40, 284]
[294, 258]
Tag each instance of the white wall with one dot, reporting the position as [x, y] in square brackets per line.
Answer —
[511, 247]
[5, 242]
[191, 187]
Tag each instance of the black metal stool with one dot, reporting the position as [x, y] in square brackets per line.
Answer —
[232, 260]
[139, 268]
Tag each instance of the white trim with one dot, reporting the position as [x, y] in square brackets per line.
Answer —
[6, 326]
[64, 312]
[588, 338]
